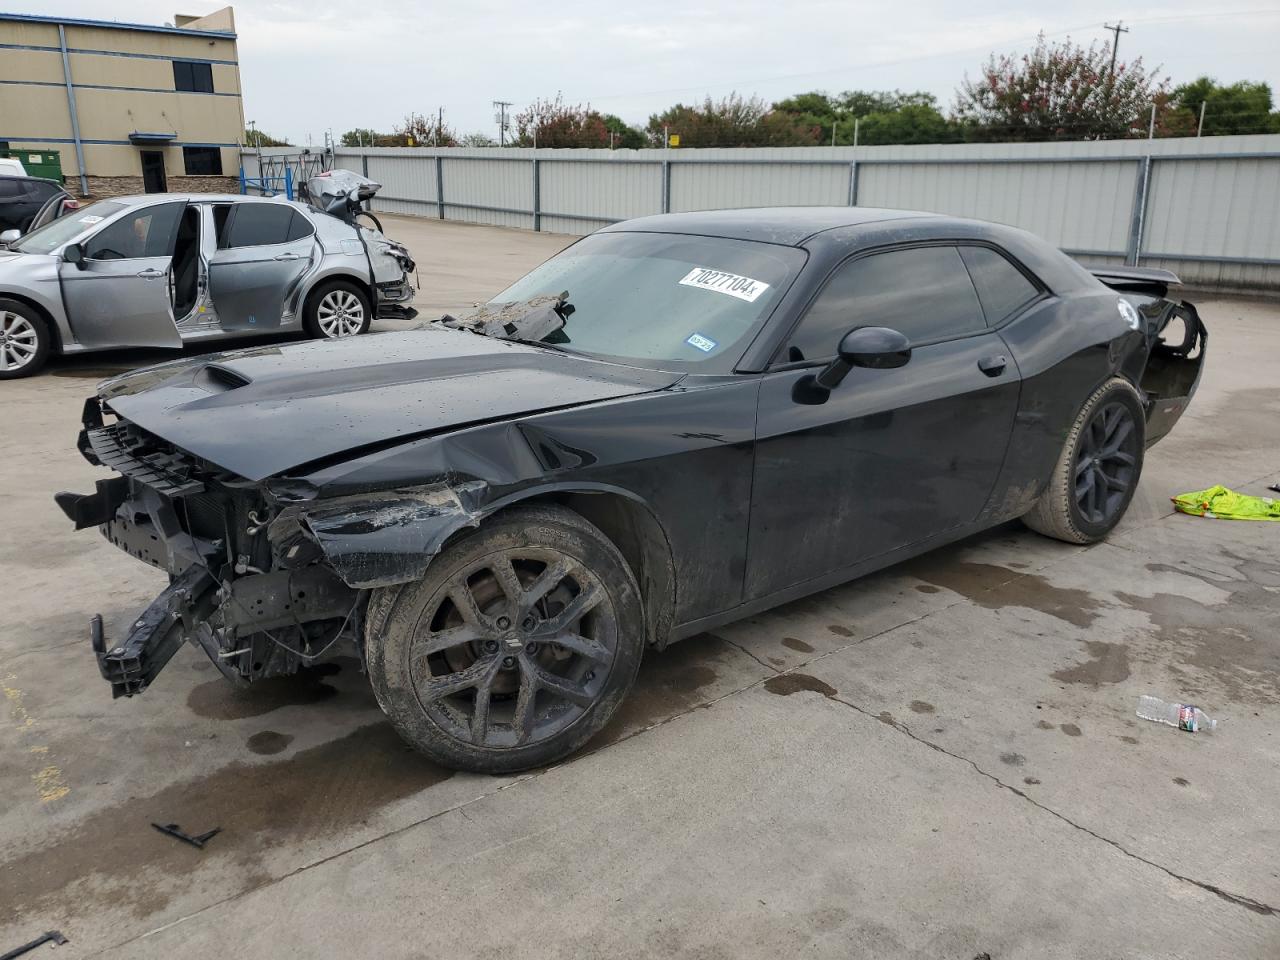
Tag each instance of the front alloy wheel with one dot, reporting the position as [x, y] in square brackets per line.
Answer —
[24, 340]
[514, 649]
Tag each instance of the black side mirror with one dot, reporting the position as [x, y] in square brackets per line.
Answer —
[878, 348]
[74, 253]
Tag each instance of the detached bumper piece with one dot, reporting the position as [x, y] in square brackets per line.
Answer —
[156, 634]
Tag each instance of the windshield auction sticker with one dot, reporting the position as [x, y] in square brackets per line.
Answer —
[744, 288]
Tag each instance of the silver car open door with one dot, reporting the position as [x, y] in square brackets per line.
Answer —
[118, 295]
[263, 251]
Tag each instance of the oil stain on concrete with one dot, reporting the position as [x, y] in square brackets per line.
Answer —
[267, 743]
[1107, 663]
[791, 643]
[1226, 649]
[112, 858]
[994, 587]
[219, 699]
[786, 684]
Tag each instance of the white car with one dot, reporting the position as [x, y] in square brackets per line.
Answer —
[12, 167]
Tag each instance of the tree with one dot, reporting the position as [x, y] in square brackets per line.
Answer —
[477, 140]
[419, 131]
[735, 121]
[260, 138]
[1059, 91]
[366, 137]
[625, 136]
[881, 117]
[554, 123]
[1242, 107]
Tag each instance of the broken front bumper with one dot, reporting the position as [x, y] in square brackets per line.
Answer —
[156, 634]
[393, 301]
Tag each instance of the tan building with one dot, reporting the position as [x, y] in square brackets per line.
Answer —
[129, 107]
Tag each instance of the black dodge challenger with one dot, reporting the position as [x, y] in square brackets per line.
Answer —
[676, 422]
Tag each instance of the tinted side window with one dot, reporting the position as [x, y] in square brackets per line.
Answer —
[923, 292]
[12, 188]
[258, 224]
[148, 232]
[1002, 287]
[300, 227]
[191, 77]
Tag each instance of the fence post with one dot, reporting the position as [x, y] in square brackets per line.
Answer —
[1137, 219]
[853, 183]
[537, 197]
[666, 185]
[440, 185]
[364, 164]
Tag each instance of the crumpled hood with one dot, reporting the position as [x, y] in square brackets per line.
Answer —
[261, 411]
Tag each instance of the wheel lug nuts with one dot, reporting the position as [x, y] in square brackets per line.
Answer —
[529, 623]
[503, 623]
[530, 648]
[491, 645]
[508, 661]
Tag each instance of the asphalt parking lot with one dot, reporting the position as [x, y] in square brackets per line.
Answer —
[939, 761]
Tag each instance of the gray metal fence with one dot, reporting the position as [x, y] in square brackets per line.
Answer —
[1207, 208]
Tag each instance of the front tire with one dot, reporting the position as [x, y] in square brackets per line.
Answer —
[337, 309]
[514, 649]
[25, 340]
[1098, 470]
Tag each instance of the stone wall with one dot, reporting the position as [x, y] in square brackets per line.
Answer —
[102, 187]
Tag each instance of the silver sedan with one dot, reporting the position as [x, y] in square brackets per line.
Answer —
[163, 269]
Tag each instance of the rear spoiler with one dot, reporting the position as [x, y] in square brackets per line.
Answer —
[1137, 279]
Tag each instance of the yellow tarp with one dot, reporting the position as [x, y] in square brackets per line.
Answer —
[1219, 503]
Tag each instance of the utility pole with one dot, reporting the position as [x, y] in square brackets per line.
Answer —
[1200, 125]
[856, 121]
[501, 116]
[439, 125]
[1117, 29]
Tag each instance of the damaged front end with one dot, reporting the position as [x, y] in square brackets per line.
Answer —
[264, 577]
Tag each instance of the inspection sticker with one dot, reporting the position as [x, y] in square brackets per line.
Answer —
[744, 288]
[91, 219]
[699, 342]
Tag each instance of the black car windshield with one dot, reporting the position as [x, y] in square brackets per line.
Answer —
[659, 296]
[57, 232]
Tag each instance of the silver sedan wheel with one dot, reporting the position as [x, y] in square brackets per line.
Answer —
[19, 341]
[340, 314]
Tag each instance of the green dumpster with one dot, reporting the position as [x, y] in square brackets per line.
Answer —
[39, 163]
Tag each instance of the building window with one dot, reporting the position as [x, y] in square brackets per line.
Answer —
[191, 77]
[202, 161]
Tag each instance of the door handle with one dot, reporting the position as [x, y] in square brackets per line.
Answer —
[993, 366]
[151, 274]
[288, 256]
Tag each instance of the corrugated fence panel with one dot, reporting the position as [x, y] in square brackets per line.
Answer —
[578, 197]
[1078, 206]
[768, 183]
[408, 184]
[489, 191]
[1215, 208]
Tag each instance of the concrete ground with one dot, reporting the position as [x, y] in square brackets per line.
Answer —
[939, 761]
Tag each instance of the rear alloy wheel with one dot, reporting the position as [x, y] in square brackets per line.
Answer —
[337, 310]
[24, 340]
[1098, 470]
[514, 649]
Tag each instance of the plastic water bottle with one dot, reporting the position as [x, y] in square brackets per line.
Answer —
[1184, 716]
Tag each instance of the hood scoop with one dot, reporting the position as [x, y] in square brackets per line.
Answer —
[218, 379]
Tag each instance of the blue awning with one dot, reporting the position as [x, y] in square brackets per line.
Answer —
[139, 137]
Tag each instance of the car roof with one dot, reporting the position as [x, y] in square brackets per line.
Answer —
[784, 225]
[145, 199]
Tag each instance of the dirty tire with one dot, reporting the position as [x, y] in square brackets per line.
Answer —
[25, 340]
[320, 316]
[522, 678]
[1059, 513]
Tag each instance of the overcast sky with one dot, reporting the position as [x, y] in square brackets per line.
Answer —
[316, 65]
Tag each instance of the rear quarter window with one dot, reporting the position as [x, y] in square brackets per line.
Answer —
[1002, 287]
